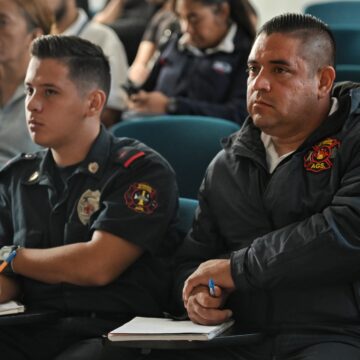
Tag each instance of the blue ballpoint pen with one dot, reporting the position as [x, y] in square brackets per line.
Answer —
[211, 287]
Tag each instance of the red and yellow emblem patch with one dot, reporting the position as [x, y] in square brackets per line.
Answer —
[141, 197]
[320, 157]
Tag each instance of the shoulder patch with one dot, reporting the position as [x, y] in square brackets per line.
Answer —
[321, 156]
[128, 155]
[141, 198]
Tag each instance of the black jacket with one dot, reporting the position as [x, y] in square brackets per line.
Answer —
[293, 236]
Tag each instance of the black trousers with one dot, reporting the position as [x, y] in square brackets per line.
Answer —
[281, 347]
[62, 339]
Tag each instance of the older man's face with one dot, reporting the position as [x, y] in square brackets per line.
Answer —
[282, 88]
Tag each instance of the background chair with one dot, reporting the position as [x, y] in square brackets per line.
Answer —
[187, 208]
[189, 143]
[335, 13]
[347, 52]
[343, 19]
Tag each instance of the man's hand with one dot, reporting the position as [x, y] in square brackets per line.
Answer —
[153, 102]
[205, 309]
[218, 270]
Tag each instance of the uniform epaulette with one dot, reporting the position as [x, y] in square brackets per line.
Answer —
[17, 159]
[128, 155]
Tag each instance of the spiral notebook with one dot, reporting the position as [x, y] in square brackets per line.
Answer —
[143, 329]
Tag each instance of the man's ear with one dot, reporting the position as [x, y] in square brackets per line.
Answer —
[326, 80]
[96, 102]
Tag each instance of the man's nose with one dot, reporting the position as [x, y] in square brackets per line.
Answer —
[33, 103]
[261, 81]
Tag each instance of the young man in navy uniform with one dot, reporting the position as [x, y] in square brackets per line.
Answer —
[89, 222]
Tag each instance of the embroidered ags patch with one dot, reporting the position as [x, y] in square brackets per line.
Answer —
[320, 157]
[141, 198]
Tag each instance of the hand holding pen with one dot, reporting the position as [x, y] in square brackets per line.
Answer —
[218, 270]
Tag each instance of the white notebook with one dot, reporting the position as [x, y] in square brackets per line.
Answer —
[11, 307]
[144, 329]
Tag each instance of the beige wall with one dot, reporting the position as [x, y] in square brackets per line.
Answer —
[269, 8]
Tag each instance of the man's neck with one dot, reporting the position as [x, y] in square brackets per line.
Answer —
[290, 142]
[68, 19]
[287, 145]
[76, 151]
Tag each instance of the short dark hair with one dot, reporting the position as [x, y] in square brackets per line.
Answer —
[311, 30]
[86, 61]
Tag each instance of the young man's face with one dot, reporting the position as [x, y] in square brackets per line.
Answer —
[15, 38]
[55, 108]
[282, 85]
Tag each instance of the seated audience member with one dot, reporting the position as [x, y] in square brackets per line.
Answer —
[91, 219]
[202, 71]
[21, 21]
[84, 4]
[128, 18]
[71, 20]
[279, 208]
[162, 25]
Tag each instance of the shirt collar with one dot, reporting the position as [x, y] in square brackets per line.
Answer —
[93, 165]
[226, 45]
[76, 27]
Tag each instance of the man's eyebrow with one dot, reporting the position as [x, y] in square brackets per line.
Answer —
[42, 85]
[275, 62]
[280, 62]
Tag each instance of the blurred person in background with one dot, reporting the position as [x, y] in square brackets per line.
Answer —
[71, 20]
[203, 70]
[128, 18]
[158, 32]
[21, 21]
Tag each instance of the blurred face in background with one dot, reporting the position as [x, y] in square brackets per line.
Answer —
[205, 25]
[58, 8]
[15, 36]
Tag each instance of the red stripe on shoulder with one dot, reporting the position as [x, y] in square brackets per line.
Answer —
[133, 158]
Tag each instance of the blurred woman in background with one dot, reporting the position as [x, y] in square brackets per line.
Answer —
[21, 21]
[202, 71]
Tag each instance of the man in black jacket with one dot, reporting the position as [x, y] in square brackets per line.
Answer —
[279, 207]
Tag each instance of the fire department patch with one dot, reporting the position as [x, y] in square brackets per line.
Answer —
[320, 157]
[87, 205]
[141, 198]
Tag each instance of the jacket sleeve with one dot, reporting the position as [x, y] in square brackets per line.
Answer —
[321, 249]
[201, 243]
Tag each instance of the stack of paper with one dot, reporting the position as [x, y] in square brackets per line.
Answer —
[11, 307]
[144, 329]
